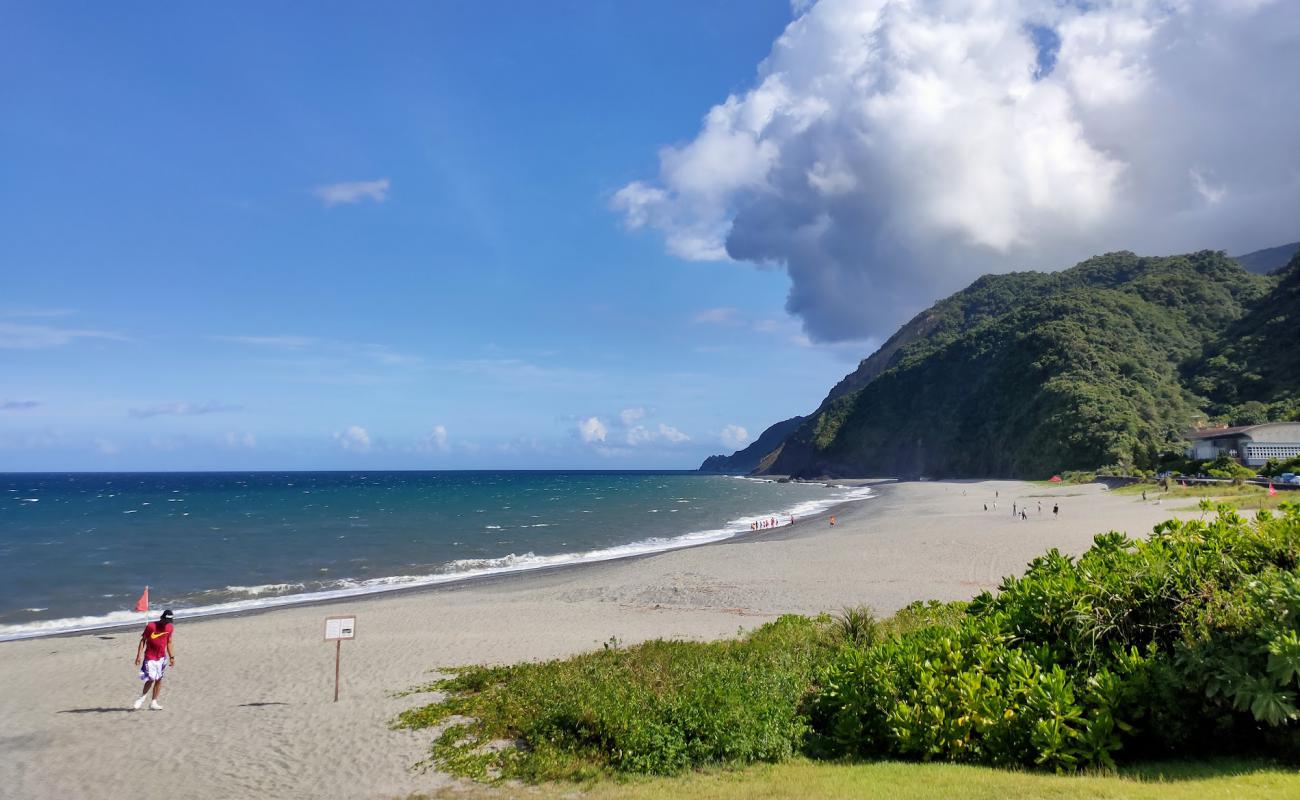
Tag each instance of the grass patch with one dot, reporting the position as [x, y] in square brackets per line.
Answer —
[1211, 780]
[656, 708]
[1246, 497]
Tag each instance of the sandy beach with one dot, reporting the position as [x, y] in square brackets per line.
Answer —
[248, 709]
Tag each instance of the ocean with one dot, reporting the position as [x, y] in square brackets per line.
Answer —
[77, 549]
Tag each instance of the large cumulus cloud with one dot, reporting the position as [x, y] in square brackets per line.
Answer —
[892, 150]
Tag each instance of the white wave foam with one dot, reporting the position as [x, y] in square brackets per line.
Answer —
[254, 591]
[455, 571]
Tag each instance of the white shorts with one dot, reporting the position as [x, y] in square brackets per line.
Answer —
[153, 670]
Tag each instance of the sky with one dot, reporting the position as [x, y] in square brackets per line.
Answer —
[573, 234]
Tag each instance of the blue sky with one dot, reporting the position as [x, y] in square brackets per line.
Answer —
[572, 234]
[252, 237]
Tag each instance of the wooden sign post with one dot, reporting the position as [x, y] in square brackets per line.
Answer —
[336, 630]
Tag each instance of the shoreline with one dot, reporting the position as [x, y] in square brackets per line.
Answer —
[433, 584]
[249, 702]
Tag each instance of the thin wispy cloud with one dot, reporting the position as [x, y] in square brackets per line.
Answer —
[380, 354]
[724, 315]
[239, 441]
[352, 192]
[18, 405]
[37, 313]
[20, 336]
[182, 409]
[631, 416]
[271, 342]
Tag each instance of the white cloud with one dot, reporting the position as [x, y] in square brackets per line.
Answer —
[1209, 193]
[639, 435]
[892, 150]
[592, 429]
[354, 192]
[734, 436]
[672, 434]
[436, 441]
[355, 439]
[20, 336]
[182, 409]
[630, 416]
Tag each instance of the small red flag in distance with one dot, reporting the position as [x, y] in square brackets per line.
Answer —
[143, 603]
[1271, 491]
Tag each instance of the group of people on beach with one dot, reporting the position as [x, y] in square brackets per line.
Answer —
[771, 522]
[1021, 512]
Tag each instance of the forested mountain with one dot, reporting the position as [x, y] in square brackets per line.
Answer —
[751, 458]
[1252, 373]
[1025, 374]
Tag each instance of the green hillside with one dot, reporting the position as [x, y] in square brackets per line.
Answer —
[1253, 373]
[1030, 373]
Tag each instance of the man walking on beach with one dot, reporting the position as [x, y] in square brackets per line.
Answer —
[156, 648]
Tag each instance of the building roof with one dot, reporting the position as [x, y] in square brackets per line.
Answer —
[1215, 433]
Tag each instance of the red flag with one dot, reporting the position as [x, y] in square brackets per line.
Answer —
[1271, 491]
[143, 603]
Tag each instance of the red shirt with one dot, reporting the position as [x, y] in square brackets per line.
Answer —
[155, 641]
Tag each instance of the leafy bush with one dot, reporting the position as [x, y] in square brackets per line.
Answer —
[1227, 469]
[659, 708]
[1186, 642]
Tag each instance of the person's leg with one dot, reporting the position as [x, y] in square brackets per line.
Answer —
[157, 687]
[139, 701]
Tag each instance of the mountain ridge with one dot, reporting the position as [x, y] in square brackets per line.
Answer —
[1026, 373]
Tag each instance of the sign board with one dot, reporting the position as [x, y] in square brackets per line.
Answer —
[339, 628]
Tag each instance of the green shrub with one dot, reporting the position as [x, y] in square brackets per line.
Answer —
[1186, 643]
[856, 627]
[658, 708]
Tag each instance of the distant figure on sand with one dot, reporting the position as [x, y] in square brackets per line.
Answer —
[832, 522]
[1056, 509]
[1040, 507]
[986, 506]
[156, 648]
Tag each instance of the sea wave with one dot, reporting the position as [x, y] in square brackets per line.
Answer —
[453, 571]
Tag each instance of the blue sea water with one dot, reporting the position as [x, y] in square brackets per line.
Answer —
[77, 549]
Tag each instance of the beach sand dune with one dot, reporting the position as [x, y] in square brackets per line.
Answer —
[248, 709]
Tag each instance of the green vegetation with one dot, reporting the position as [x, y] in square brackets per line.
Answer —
[1187, 643]
[1175, 644]
[1212, 780]
[1029, 374]
[1252, 374]
[656, 708]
